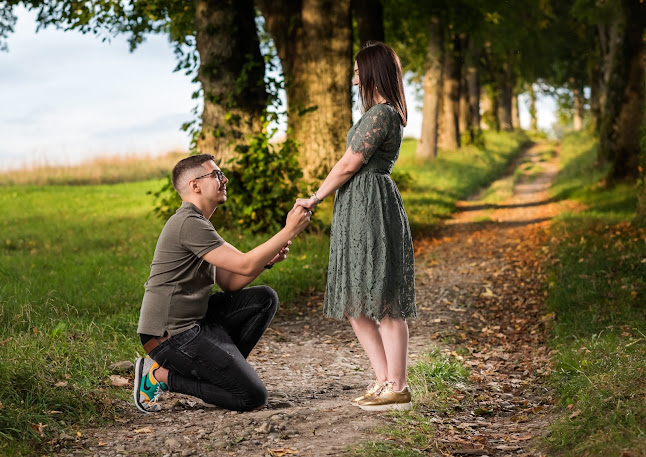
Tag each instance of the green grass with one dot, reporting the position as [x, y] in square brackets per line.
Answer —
[597, 291]
[73, 261]
[436, 381]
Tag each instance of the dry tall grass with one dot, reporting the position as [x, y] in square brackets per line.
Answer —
[105, 170]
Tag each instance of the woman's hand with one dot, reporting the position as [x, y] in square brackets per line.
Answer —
[307, 203]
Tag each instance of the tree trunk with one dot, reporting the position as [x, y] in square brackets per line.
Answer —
[595, 88]
[370, 20]
[622, 113]
[532, 108]
[579, 108]
[487, 111]
[427, 146]
[505, 94]
[314, 42]
[231, 73]
[472, 64]
[515, 113]
[449, 133]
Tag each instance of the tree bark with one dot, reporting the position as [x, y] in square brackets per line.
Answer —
[515, 113]
[595, 88]
[449, 132]
[314, 42]
[505, 94]
[622, 112]
[231, 73]
[427, 145]
[370, 20]
[472, 64]
[532, 109]
[579, 108]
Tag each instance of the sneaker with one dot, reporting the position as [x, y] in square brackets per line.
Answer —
[372, 389]
[387, 399]
[147, 389]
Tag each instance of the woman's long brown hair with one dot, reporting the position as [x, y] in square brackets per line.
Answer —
[381, 70]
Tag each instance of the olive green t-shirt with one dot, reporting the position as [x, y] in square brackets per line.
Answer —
[178, 289]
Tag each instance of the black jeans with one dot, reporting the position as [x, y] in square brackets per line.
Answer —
[208, 361]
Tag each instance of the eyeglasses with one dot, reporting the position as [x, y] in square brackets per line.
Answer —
[214, 174]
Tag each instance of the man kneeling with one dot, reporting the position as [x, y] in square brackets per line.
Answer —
[197, 342]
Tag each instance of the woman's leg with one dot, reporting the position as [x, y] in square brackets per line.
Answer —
[394, 334]
[370, 337]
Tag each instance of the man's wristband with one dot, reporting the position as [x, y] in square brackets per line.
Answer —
[317, 200]
[268, 266]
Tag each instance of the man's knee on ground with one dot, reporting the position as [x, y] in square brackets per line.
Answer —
[254, 399]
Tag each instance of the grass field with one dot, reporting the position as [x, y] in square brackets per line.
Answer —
[74, 258]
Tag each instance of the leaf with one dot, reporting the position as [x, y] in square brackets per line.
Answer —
[488, 293]
[61, 384]
[144, 430]
[282, 451]
[575, 414]
[118, 381]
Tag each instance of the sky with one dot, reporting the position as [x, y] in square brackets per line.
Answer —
[66, 97]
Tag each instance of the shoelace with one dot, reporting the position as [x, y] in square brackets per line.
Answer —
[155, 399]
[386, 385]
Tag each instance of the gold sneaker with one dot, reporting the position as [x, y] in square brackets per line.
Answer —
[387, 399]
[372, 389]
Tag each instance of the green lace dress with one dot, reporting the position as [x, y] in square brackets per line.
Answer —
[371, 269]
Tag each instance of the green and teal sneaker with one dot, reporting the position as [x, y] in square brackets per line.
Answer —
[147, 389]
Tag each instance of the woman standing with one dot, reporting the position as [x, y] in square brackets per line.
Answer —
[371, 276]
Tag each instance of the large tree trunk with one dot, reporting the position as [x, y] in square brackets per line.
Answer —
[533, 120]
[472, 64]
[622, 112]
[314, 42]
[370, 20]
[231, 73]
[449, 133]
[427, 146]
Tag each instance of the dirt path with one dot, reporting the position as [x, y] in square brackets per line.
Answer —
[478, 286]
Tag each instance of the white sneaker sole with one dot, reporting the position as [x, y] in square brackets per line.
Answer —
[139, 367]
[388, 407]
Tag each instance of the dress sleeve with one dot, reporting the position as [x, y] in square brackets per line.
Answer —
[373, 130]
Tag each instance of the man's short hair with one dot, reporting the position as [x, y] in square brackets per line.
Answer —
[189, 163]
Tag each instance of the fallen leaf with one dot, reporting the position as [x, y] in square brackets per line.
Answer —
[575, 413]
[282, 451]
[118, 381]
[144, 430]
[61, 384]
[488, 293]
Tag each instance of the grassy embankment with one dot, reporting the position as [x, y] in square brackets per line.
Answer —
[597, 292]
[73, 260]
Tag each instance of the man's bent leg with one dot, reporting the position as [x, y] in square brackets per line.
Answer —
[244, 314]
[205, 362]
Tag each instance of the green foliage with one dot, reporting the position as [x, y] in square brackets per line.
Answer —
[263, 184]
[597, 291]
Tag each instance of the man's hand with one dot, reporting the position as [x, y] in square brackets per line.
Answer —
[282, 255]
[297, 219]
